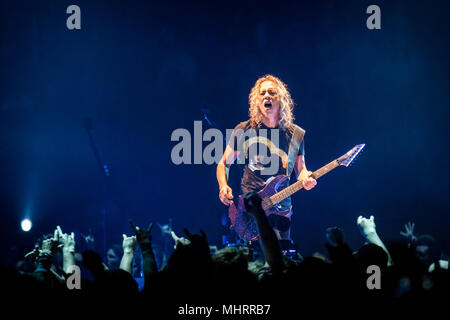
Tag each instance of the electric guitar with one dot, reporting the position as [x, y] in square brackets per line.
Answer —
[245, 225]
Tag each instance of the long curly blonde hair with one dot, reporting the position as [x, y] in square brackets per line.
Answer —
[286, 118]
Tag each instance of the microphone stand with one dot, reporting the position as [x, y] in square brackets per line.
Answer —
[224, 219]
[105, 173]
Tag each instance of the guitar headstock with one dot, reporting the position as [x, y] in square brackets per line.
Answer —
[347, 158]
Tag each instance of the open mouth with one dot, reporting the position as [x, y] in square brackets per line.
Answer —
[268, 105]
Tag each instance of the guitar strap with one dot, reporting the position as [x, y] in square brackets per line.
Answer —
[294, 145]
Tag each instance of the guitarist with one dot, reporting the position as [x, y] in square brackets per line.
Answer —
[268, 144]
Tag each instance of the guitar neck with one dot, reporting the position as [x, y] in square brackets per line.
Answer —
[293, 188]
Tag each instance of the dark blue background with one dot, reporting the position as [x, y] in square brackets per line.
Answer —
[140, 70]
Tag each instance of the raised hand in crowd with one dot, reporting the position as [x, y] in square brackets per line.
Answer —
[334, 236]
[129, 245]
[271, 247]
[32, 255]
[51, 245]
[179, 240]
[367, 228]
[43, 255]
[143, 236]
[144, 239]
[89, 240]
[253, 204]
[67, 241]
[409, 231]
[166, 229]
[198, 241]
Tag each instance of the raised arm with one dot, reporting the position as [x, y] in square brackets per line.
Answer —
[68, 249]
[129, 245]
[367, 228]
[43, 256]
[144, 239]
[271, 247]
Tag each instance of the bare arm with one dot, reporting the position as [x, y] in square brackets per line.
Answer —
[368, 231]
[129, 246]
[68, 249]
[228, 157]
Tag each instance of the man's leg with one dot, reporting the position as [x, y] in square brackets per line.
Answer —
[281, 226]
[285, 235]
[277, 232]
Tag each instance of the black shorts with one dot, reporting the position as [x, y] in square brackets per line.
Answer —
[279, 222]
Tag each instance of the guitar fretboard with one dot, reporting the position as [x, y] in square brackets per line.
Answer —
[293, 188]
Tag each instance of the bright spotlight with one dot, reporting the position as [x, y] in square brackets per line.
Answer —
[26, 225]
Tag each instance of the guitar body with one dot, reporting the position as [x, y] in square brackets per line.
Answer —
[242, 222]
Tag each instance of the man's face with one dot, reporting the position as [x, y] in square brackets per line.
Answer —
[422, 251]
[268, 99]
[111, 257]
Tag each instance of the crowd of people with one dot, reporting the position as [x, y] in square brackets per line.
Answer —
[410, 272]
